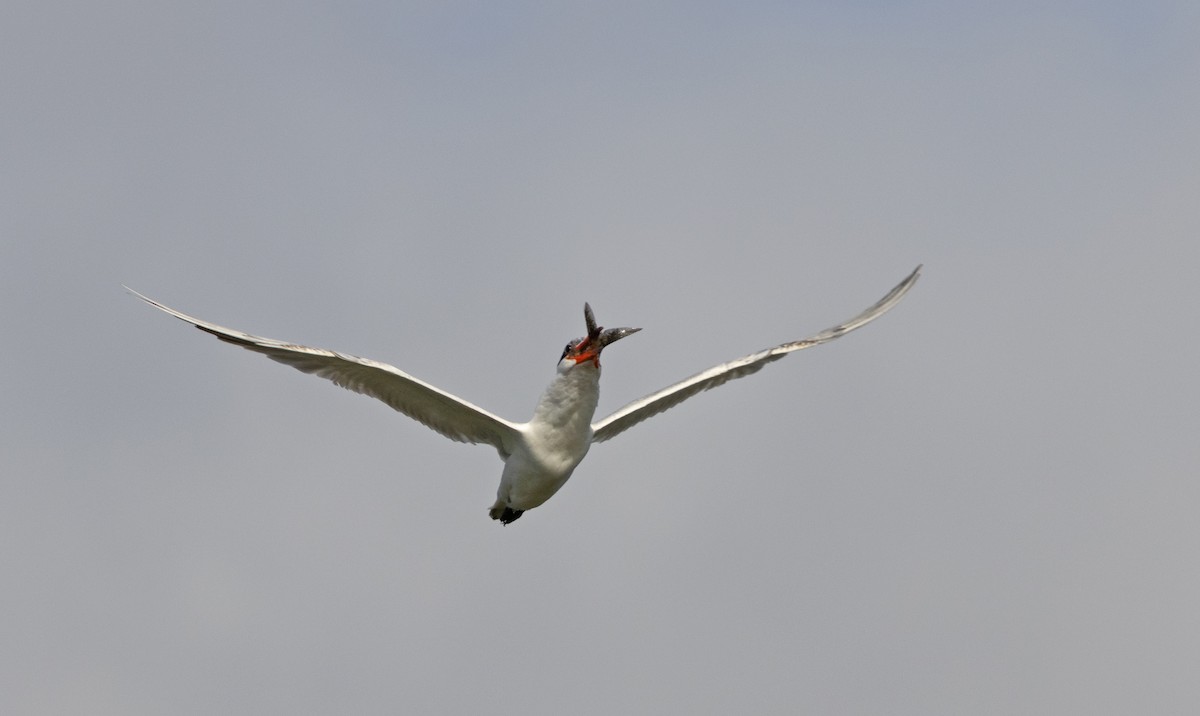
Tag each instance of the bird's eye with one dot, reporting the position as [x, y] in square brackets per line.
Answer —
[565, 352]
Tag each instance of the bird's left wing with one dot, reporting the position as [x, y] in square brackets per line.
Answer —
[447, 414]
[673, 395]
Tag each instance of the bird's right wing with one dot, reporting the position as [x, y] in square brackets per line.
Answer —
[447, 414]
[673, 395]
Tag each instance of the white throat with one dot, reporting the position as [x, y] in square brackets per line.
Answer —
[569, 402]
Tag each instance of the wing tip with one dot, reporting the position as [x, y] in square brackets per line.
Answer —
[900, 290]
[150, 301]
[135, 293]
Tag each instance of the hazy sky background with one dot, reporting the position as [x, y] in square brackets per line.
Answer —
[984, 503]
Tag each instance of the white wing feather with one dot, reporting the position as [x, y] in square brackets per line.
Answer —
[449, 415]
[673, 395]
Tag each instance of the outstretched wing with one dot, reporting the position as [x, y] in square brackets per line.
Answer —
[447, 414]
[669, 397]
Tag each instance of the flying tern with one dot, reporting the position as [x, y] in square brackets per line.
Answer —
[541, 454]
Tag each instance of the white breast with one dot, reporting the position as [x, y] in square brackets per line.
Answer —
[556, 438]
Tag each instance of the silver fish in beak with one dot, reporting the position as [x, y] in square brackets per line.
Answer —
[600, 335]
[588, 348]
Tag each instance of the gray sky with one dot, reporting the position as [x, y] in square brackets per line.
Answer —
[983, 503]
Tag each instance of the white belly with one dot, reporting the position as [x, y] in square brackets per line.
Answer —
[555, 440]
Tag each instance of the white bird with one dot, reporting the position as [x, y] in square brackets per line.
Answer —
[541, 454]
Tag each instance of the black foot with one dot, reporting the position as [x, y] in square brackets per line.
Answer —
[510, 515]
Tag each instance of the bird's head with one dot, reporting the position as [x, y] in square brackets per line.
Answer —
[587, 349]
